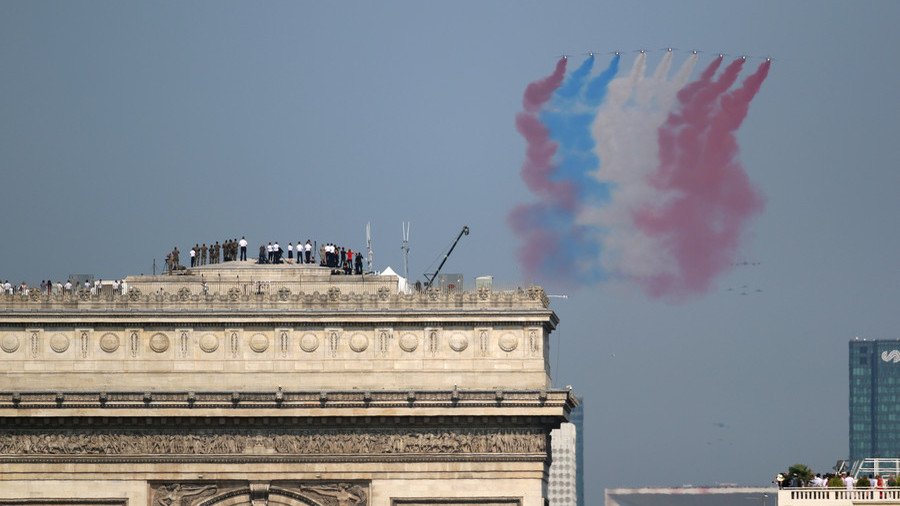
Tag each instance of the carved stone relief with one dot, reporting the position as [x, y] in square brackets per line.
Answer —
[59, 343]
[233, 337]
[283, 342]
[333, 337]
[109, 342]
[330, 494]
[34, 344]
[359, 342]
[380, 340]
[409, 342]
[483, 342]
[84, 343]
[209, 343]
[259, 343]
[159, 342]
[134, 343]
[309, 342]
[10, 343]
[432, 340]
[187, 494]
[508, 342]
[384, 341]
[179, 296]
[183, 342]
[458, 342]
[329, 442]
[200, 493]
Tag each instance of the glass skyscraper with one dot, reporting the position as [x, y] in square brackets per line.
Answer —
[874, 396]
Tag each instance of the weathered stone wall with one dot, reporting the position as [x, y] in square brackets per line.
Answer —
[165, 356]
[282, 385]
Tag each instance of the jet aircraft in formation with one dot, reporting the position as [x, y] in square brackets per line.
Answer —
[668, 50]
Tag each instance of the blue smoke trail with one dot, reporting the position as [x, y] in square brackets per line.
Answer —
[596, 90]
[571, 87]
[568, 118]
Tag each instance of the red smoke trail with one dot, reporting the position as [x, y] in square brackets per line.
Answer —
[530, 222]
[708, 198]
[539, 92]
[538, 165]
[539, 244]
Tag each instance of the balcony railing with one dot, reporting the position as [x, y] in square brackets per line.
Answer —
[838, 496]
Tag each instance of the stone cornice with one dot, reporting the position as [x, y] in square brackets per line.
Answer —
[58, 316]
[368, 401]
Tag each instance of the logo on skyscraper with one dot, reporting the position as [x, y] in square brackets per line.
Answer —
[891, 356]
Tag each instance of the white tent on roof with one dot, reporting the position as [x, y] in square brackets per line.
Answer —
[402, 284]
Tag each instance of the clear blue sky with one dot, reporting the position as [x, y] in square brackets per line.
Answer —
[127, 128]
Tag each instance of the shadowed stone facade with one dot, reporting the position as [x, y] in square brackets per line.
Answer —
[243, 384]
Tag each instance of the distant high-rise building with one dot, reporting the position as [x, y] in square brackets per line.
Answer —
[566, 481]
[874, 396]
[577, 419]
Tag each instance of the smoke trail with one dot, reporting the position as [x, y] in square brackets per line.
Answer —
[626, 130]
[530, 222]
[539, 92]
[571, 87]
[554, 245]
[538, 165]
[707, 197]
[636, 177]
[568, 119]
[596, 89]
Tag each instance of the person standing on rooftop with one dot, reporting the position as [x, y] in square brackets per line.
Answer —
[243, 244]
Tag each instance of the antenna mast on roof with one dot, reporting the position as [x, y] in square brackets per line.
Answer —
[405, 249]
[370, 258]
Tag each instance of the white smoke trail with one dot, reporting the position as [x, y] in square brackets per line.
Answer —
[625, 131]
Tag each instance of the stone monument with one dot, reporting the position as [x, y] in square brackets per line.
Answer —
[244, 384]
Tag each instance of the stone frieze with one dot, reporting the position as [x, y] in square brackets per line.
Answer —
[251, 442]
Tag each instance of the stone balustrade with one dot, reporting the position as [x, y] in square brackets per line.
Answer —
[837, 496]
[277, 294]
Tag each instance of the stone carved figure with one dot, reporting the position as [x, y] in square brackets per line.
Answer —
[214, 493]
[181, 495]
[341, 494]
[295, 442]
